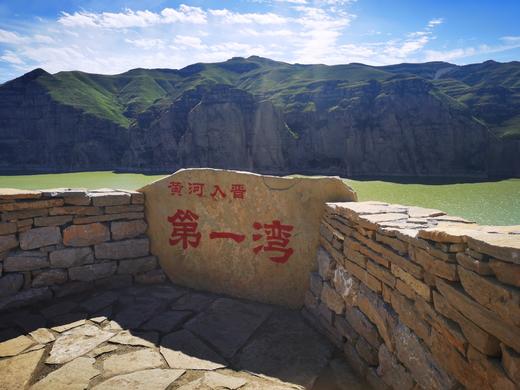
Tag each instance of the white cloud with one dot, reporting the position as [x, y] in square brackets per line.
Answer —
[10, 37]
[189, 41]
[130, 18]
[231, 17]
[435, 22]
[146, 43]
[11, 57]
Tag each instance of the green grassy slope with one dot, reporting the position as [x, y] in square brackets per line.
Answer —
[491, 90]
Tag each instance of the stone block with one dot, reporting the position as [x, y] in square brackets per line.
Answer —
[130, 229]
[409, 316]
[25, 261]
[479, 338]
[375, 382]
[114, 281]
[496, 377]
[325, 264]
[91, 272]
[76, 210]
[71, 257]
[8, 228]
[39, 237]
[131, 208]
[16, 194]
[137, 197]
[355, 360]
[34, 204]
[332, 299]
[10, 284]
[108, 218]
[434, 266]
[114, 198]
[52, 221]
[325, 313]
[49, 277]
[24, 214]
[345, 329]
[316, 283]
[310, 301]
[346, 286]
[363, 326]
[8, 242]
[85, 235]
[485, 318]
[374, 256]
[392, 372]
[511, 363]
[77, 200]
[325, 232]
[508, 273]
[373, 283]
[156, 276]
[123, 249]
[137, 266]
[504, 247]
[399, 246]
[356, 257]
[500, 298]
[420, 288]
[418, 360]
[381, 273]
[71, 288]
[379, 313]
[367, 352]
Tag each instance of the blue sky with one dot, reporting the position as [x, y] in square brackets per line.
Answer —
[113, 36]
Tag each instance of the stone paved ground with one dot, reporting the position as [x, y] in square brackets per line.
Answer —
[165, 337]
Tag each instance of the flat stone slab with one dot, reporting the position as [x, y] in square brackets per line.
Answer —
[143, 339]
[132, 361]
[14, 346]
[142, 380]
[76, 342]
[16, 372]
[167, 321]
[239, 233]
[286, 348]
[227, 324]
[185, 351]
[74, 375]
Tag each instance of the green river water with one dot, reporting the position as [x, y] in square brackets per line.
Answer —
[490, 203]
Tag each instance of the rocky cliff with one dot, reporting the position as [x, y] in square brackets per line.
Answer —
[260, 115]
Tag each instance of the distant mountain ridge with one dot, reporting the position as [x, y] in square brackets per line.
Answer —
[431, 119]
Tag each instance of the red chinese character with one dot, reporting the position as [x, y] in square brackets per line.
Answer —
[234, 236]
[196, 189]
[238, 191]
[175, 188]
[277, 236]
[184, 224]
[218, 191]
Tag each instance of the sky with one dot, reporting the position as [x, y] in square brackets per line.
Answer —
[110, 37]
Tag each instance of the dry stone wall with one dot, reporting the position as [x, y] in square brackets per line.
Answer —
[59, 242]
[419, 299]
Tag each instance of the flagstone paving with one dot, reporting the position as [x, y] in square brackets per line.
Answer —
[165, 337]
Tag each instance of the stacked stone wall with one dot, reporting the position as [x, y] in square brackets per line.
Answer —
[417, 299]
[59, 242]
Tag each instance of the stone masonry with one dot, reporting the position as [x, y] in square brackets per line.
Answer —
[418, 299]
[55, 243]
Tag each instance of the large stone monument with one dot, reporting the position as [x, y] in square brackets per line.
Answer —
[239, 233]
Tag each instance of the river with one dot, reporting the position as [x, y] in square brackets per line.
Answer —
[488, 203]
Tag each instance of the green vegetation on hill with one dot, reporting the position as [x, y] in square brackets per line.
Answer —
[490, 91]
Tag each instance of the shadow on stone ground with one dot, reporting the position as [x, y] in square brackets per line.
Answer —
[158, 337]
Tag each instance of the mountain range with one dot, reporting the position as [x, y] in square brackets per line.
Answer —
[256, 114]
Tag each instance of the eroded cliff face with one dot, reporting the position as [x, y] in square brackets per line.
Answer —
[37, 133]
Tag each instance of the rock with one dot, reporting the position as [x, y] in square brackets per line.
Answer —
[102, 350]
[69, 323]
[50, 277]
[8, 228]
[185, 351]
[90, 272]
[141, 380]
[511, 363]
[325, 264]
[74, 375]
[141, 359]
[35, 204]
[8, 242]
[99, 301]
[506, 272]
[316, 283]
[367, 352]
[420, 288]
[416, 357]
[475, 265]
[142, 339]
[10, 284]
[486, 319]
[167, 321]
[107, 218]
[52, 221]
[132, 317]
[114, 198]
[58, 309]
[131, 208]
[500, 298]
[38, 237]
[434, 266]
[215, 380]
[361, 324]
[85, 235]
[17, 371]
[25, 261]
[246, 265]
[137, 266]
[285, 338]
[332, 299]
[15, 194]
[25, 297]
[27, 321]
[391, 372]
[15, 346]
[76, 342]
[71, 257]
[346, 285]
[227, 324]
[502, 246]
[130, 229]
[76, 210]
[43, 336]
[122, 249]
